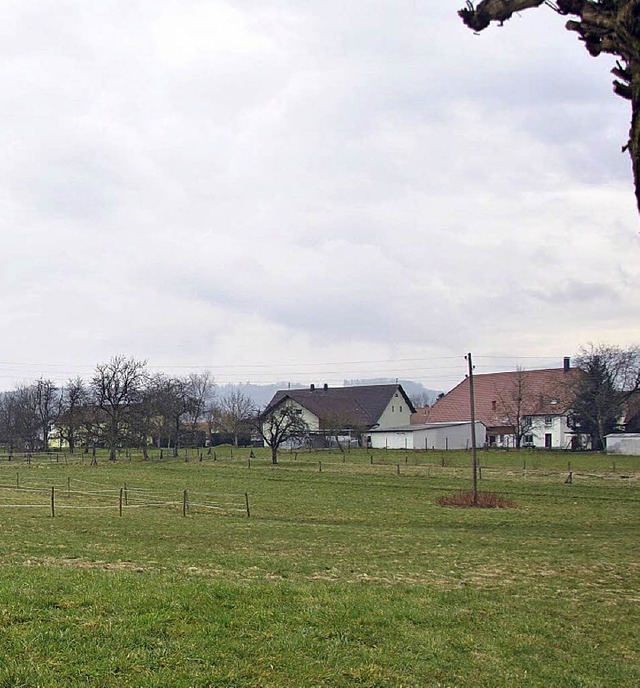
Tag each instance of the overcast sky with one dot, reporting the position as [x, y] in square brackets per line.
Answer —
[307, 191]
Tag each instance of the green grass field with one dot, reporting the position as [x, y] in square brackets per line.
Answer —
[346, 573]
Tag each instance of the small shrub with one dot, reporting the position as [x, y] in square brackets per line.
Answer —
[486, 500]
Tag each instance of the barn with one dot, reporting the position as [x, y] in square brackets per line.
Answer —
[456, 435]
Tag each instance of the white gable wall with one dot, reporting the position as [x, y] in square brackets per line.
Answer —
[396, 414]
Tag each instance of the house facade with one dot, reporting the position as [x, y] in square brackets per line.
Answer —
[343, 414]
[527, 408]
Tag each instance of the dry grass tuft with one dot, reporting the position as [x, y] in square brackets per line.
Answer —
[486, 500]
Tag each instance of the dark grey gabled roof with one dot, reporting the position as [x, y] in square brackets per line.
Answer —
[363, 405]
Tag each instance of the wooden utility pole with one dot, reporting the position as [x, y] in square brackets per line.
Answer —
[474, 453]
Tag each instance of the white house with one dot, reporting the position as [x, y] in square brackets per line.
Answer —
[530, 405]
[346, 412]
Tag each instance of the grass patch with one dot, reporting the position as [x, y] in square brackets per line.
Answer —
[352, 576]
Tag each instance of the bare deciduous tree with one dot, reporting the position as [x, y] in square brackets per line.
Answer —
[201, 391]
[72, 417]
[48, 406]
[338, 423]
[237, 410]
[515, 404]
[277, 425]
[27, 424]
[604, 26]
[610, 376]
[117, 386]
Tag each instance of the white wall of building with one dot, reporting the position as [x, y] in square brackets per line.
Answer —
[431, 436]
[397, 413]
[550, 432]
[627, 443]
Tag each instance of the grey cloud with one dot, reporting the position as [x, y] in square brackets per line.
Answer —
[358, 178]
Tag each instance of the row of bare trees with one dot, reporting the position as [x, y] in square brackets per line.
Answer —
[122, 405]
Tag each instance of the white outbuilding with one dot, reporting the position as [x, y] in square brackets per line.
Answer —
[627, 443]
[455, 435]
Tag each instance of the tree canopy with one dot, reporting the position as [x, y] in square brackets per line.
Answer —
[604, 26]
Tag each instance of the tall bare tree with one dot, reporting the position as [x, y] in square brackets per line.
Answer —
[201, 392]
[9, 436]
[172, 403]
[237, 411]
[117, 386]
[48, 405]
[610, 377]
[27, 423]
[71, 420]
[515, 404]
[604, 26]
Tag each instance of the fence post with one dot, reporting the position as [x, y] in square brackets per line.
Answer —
[398, 469]
[246, 501]
[319, 466]
[248, 463]
[17, 481]
[126, 495]
[53, 502]
[120, 502]
[185, 502]
[69, 487]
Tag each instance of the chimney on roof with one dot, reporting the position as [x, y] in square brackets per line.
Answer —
[567, 364]
[326, 387]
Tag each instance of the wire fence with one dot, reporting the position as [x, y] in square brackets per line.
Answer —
[77, 494]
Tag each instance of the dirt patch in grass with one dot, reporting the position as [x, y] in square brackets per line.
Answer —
[484, 500]
[87, 564]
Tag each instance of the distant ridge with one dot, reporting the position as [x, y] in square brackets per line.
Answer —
[262, 394]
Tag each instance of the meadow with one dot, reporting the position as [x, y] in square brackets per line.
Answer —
[344, 572]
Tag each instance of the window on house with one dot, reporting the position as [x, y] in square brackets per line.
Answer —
[393, 408]
[548, 420]
[493, 405]
[298, 412]
[401, 409]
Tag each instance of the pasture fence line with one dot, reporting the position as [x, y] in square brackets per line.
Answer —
[60, 498]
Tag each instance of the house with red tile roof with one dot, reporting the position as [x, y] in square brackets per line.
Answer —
[519, 408]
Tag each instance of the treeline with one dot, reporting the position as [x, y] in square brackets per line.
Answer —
[122, 405]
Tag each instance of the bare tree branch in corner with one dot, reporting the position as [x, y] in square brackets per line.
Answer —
[604, 26]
